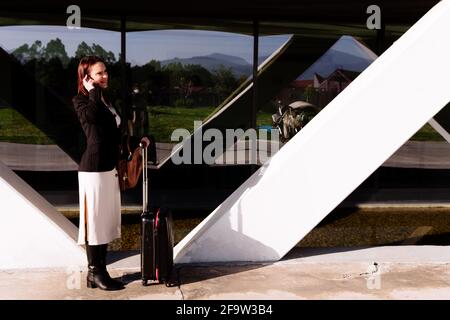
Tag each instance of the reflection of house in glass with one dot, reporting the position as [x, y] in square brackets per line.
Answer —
[321, 90]
[336, 82]
[326, 89]
[331, 73]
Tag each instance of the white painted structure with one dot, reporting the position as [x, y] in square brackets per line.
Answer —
[32, 233]
[317, 169]
[436, 126]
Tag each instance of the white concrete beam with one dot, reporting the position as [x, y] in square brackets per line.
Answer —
[32, 233]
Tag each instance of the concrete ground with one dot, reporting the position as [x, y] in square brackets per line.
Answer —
[389, 272]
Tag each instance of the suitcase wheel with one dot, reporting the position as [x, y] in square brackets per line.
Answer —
[144, 283]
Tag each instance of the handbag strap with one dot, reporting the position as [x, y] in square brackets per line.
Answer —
[130, 154]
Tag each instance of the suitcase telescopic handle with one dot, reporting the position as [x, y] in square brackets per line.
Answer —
[144, 178]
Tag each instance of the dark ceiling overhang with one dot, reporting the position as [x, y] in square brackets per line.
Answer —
[230, 15]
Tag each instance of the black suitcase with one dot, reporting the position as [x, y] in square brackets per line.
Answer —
[156, 238]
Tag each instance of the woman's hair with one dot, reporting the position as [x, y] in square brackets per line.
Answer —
[83, 69]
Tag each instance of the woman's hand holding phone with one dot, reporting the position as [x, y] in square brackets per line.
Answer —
[88, 83]
[145, 141]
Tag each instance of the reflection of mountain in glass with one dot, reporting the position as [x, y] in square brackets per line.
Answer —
[347, 53]
[212, 62]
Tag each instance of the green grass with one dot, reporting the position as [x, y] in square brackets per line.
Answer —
[163, 119]
[16, 128]
[427, 133]
[263, 118]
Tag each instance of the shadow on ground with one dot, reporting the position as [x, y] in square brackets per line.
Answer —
[188, 274]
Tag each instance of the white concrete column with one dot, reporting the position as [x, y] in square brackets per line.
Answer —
[32, 233]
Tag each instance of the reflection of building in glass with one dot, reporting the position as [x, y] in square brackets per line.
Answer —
[331, 73]
[337, 81]
[321, 90]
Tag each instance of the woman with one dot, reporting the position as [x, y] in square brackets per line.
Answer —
[100, 218]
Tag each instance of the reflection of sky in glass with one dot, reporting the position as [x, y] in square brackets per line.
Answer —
[13, 37]
[146, 45]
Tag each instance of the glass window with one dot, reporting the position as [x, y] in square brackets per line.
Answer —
[182, 76]
[40, 136]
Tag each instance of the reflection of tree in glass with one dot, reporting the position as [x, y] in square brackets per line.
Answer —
[55, 49]
[52, 66]
[224, 82]
[174, 84]
[85, 50]
[25, 53]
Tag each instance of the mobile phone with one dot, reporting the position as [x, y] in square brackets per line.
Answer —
[94, 84]
[87, 74]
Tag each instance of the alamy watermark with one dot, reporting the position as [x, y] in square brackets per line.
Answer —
[74, 20]
[373, 277]
[374, 20]
[73, 281]
[205, 147]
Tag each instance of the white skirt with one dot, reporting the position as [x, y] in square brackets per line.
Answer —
[100, 218]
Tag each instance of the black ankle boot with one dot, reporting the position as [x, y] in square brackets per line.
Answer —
[97, 274]
[104, 251]
[98, 278]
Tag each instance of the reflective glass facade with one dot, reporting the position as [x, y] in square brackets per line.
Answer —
[167, 74]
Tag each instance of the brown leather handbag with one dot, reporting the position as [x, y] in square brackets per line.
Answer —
[129, 168]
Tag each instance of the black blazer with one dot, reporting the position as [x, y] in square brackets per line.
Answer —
[102, 135]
